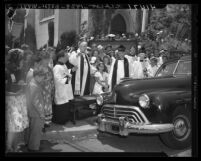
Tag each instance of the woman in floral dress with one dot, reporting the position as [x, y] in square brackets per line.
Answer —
[16, 109]
[101, 76]
[48, 87]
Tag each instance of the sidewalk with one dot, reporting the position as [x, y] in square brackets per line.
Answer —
[61, 138]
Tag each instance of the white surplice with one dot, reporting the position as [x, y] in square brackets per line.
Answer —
[135, 67]
[63, 91]
[75, 60]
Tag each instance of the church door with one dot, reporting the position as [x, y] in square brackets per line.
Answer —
[118, 25]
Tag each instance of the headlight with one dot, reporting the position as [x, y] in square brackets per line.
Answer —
[144, 101]
[99, 100]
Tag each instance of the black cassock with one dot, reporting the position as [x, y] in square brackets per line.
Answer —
[87, 85]
[114, 74]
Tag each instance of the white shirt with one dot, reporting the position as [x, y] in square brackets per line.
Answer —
[120, 70]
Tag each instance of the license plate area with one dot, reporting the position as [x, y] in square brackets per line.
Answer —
[115, 128]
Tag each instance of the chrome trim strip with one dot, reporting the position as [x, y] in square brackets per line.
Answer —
[132, 107]
[175, 67]
[136, 116]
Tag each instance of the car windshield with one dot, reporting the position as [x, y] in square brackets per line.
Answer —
[166, 69]
[184, 67]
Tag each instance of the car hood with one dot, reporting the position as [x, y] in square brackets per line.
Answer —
[129, 89]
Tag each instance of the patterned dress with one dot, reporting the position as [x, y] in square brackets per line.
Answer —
[48, 93]
[16, 113]
[16, 108]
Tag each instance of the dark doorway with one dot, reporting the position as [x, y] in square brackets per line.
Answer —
[51, 33]
[118, 25]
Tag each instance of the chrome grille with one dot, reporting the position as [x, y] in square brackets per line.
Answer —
[131, 113]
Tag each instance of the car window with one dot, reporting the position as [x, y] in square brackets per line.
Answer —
[166, 69]
[184, 67]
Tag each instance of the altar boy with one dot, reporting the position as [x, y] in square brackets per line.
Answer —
[63, 90]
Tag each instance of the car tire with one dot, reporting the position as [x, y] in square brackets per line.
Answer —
[175, 139]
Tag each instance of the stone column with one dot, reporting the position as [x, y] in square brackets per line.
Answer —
[144, 17]
[138, 21]
[56, 27]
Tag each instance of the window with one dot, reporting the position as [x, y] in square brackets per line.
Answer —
[44, 13]
[166, 69]
[184, 67]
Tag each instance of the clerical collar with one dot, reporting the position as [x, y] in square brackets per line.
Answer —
[60, 63]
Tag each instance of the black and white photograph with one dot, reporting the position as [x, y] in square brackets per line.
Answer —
[100, 79]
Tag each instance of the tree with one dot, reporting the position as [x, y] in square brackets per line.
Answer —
[68, 38]
[100, 21]
[175, 23]
[9, 39]
[30, 37]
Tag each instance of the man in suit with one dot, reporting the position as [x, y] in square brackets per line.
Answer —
[35, 109]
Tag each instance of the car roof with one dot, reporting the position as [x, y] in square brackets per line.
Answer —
[187, 57]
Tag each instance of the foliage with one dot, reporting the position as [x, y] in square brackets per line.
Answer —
[101, 21]
[9, 39]
[19, 16]
[68, 38]
[30, 37]
[83, 30]
[175, 23]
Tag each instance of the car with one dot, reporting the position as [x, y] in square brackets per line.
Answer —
[159, 105]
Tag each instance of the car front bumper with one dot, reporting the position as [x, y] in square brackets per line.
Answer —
[124, 128]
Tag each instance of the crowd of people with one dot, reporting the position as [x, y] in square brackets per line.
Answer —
[40, 85]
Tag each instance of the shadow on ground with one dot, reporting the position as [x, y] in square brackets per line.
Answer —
[46, 146]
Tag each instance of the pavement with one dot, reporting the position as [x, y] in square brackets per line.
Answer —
[84, 137]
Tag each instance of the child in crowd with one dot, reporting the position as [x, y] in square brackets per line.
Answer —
[101, 76]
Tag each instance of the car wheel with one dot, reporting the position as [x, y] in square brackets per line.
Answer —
[180, 136]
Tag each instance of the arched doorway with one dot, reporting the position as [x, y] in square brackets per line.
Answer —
[118, 25]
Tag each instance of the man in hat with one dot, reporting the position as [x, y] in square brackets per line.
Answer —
[80, 77]
[119, 68]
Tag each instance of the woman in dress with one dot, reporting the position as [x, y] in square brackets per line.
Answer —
[16, 109]
[48, 87]
[101, 76]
